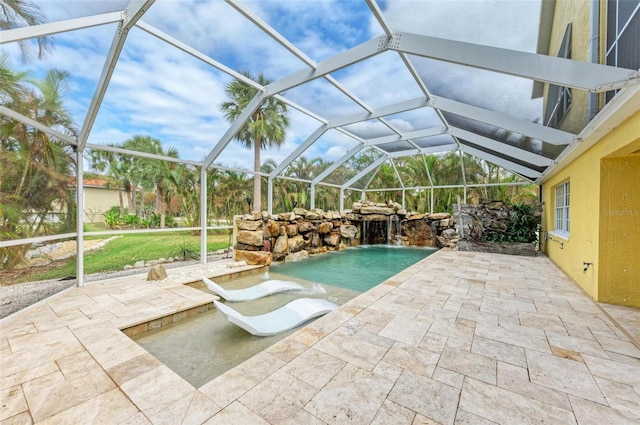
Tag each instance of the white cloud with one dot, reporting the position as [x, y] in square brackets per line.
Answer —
[161, 91]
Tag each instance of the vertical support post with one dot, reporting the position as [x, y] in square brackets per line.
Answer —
[203, 214]
[270, 195]
[432, 200]
[342, 199]
[313, 196]
[79, 217]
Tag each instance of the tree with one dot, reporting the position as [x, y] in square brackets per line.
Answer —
[119, 173]
[18, 13]
[266, 127]
[154, 173]
[35, 169]
[233, 189]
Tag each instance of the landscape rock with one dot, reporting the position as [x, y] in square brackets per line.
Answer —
[156, 272]
[348, 231]
[249, 225]
[271, 229]
[296, 243]
[332, 239]
[281, 245]
[253, 257]
[250, 237]
[305, 226]
[325, 227]
[297, 256]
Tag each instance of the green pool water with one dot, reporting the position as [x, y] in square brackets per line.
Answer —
[357, 269]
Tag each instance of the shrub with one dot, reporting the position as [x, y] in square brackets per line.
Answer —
[131, 219]
[112, 218]
[185, 251]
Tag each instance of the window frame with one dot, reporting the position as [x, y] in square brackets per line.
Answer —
[562, 206]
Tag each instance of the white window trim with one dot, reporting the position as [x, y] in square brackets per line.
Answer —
[562, 233]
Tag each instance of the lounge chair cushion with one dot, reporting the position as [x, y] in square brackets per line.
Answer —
[257, 291]
[282, 319]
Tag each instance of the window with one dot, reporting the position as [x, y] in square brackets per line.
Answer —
[559, 98]
[562, 208]
[623, 35]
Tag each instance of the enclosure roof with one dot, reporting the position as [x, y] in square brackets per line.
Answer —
[395, 78]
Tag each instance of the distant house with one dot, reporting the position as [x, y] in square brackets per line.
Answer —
[98, 199]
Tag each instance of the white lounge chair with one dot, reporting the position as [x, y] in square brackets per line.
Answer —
[257, 291]
[282, 319]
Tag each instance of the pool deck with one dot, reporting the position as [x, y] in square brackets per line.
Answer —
[460, 337]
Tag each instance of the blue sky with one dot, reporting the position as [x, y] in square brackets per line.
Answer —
[163, 92]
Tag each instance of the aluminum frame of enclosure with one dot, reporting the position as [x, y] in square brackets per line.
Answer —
[539, 68]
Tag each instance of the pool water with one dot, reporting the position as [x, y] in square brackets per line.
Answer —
[204, 347]
[358, 268]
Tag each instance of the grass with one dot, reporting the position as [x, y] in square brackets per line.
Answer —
[127, 250]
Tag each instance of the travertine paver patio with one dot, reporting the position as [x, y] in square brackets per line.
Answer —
[457, 338]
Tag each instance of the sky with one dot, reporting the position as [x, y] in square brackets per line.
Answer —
[160, 91]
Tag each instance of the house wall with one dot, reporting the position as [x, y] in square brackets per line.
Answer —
[591, 231]
[567, 12]
[97, 202]
[619, 275]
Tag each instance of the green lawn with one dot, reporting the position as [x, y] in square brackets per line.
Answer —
[128, 249]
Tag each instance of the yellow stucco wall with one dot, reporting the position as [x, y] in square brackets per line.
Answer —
[584, 241]
[579, 15]
[619, 273]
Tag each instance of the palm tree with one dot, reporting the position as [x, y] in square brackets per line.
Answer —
[36, 168]
[265, 128]
[232, 191]
[119, 173]
[154, 173]
[18, 13]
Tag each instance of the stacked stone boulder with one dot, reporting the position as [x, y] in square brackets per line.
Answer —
[261, 238]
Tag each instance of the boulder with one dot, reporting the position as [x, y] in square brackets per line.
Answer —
[156, 272]
[282, 244]
[314, 214]
[419, 233]
[250, 237]
[271, 229]
[439, 216]
[138, 264]
[315, 240]
[317, 250]
[296, 243]
[249, 224]
[377, 209]
[300, 211]
[402, 211]
[348, 231]
[253, 257]
[300, 255]
[305, 226]
[332, 239]
[342, 246]
[292, 229]
[325, 227]
[416, 217]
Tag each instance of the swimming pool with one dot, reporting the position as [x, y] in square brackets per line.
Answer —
[358, 268]
[204, 347]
